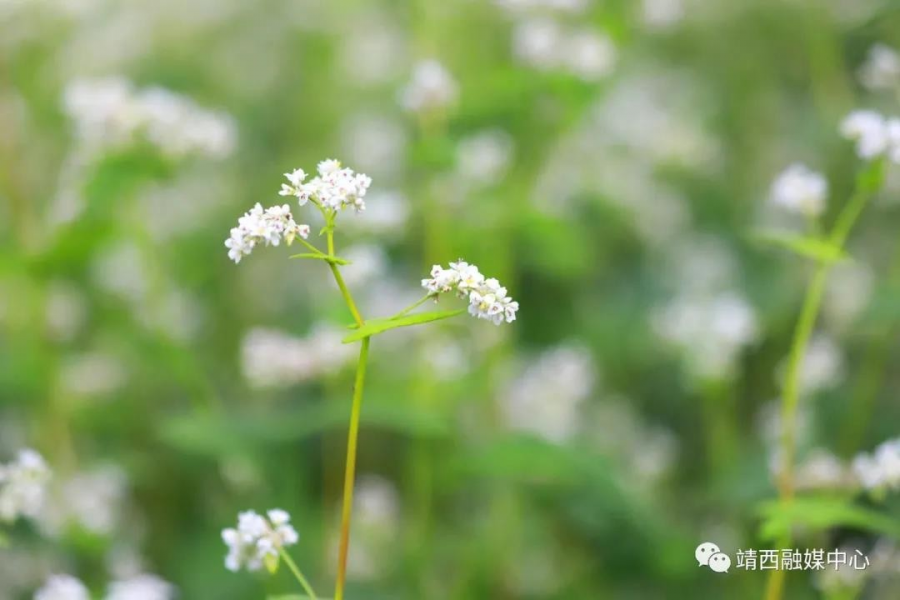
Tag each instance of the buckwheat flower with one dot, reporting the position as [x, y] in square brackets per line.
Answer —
[334, 188]
[589, 55]
[62, 587]
[484, 157]
[431, 88]
[869, 130]
[23, 486]
[487, 298]
[880, 470]
[536, 43]
[800, 190]
[257, 539]
[881, 71]
[141, 587]
[268, 226]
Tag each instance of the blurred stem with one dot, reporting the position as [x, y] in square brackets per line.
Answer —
[293, 567]
[722, 438]
[874, 364]
[867, 183]
[350, 469]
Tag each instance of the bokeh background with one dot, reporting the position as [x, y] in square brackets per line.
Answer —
[607, 161]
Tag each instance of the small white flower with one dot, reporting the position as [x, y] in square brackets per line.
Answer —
[487, 298]
[589, 55]
[23, 486]
[334, 188]
[141, 587]
[881, 71]
[800, 190]
[431, 88]
[881, 469]
[269, 226]
[257, 539]
[869, 130]
[62, 587]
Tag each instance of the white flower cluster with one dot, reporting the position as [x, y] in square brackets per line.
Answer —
[875, 135]
[431, 88]
[267, 226]
[271, 358]
[257, 539]
[62, 587]
[711, 331]
[336, 187]
[112, 113]
[881, 469]
[141, 587]
[800, 190]
[23, 486]
[881, 71]
[546, 397]
[545, 45]
[487, 298]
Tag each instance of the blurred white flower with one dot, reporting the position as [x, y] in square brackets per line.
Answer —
[386, 212]
[110, 113]
[547, 395]
[376, 143]
[710, 330]
[141, 587]
[66, 310]
[376, 527]
[483, 158]
[373, 50]
[662, 14]
[517, 6]
[536, 43]
[62, 587]
[822, 367]
[119, 269]
[869, 130]
[368, 262]
[818, 470]
[849, 291]
[272, 358]
[881, 71]
[431, 88]
[770, 428]
[881, 469]
[92, 374]
[801, 190]
[23, 486]
[487, 298]
[257, 539]
[267, 226]
[89, 500]
[589, 55]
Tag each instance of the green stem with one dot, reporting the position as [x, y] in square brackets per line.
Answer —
[350, 469]
[310, 246]
[866, 185]
[296, 571]
[413, 306]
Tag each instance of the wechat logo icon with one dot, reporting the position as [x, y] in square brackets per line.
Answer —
[709, 555]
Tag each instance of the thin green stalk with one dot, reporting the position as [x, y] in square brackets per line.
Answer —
[413, 306]
[350, 470]
[310, 246]
[296, 571]
[867, 183]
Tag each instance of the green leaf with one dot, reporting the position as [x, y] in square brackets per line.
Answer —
[818, 249]
[377, 326]
[329, 259]
[823, 512]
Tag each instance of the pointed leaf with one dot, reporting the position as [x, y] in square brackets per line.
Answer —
[820, 513]
[818, 249]
[377, 326]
